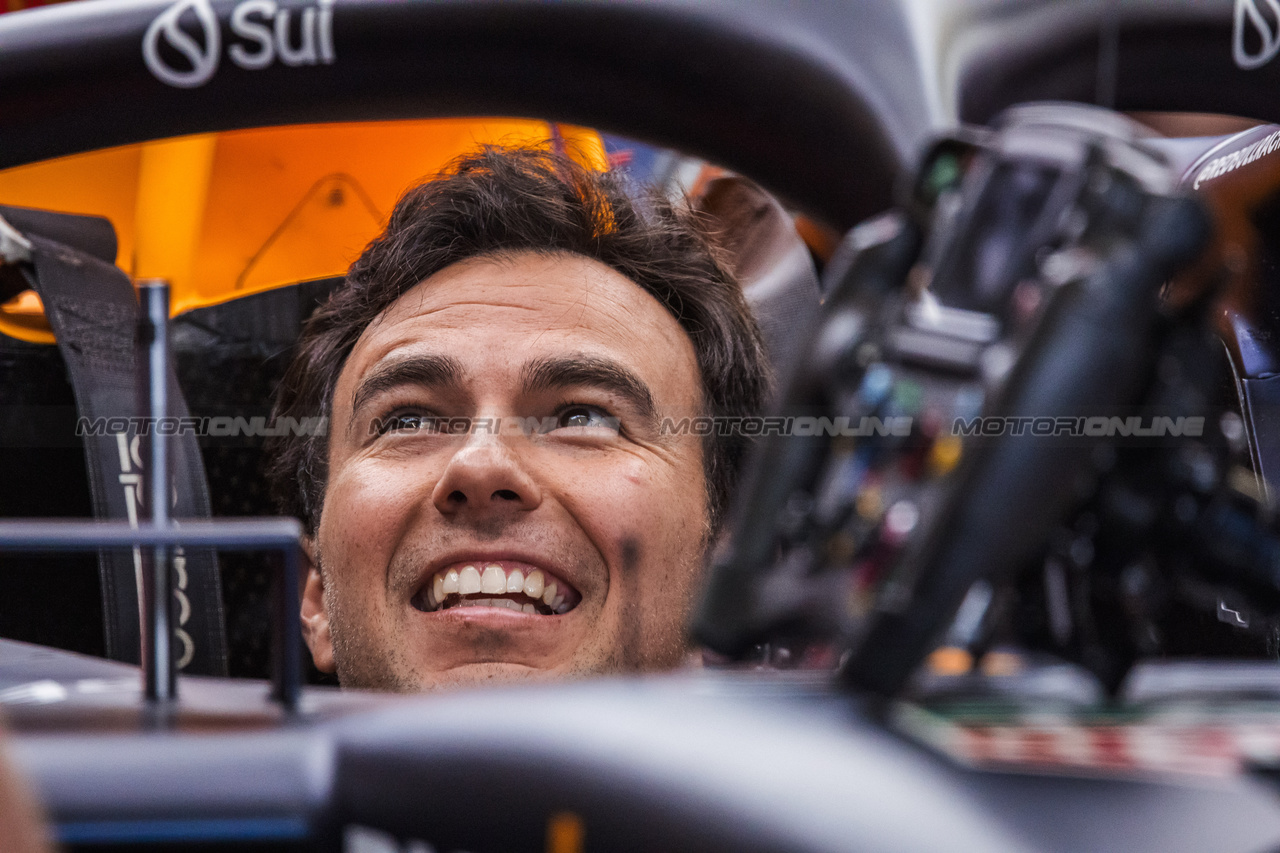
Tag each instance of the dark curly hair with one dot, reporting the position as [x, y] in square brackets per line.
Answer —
[501, 200]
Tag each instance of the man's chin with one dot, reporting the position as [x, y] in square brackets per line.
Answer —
[487, 673]
[461, 676]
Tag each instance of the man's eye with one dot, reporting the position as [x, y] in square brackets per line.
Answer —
[407, 422]
[586, 417]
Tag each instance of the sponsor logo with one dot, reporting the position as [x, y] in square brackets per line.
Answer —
[203, 58]
[131, 479]
[1220, 166]
[1255, 37]
[262, 33]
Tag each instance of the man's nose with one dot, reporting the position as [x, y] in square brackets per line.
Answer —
[483, 477]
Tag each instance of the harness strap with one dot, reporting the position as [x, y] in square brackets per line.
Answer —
[93, 311]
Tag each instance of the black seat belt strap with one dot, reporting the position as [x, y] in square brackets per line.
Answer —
[93, 310]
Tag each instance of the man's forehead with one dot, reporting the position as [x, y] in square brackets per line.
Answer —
[512, 309]
[519, 291]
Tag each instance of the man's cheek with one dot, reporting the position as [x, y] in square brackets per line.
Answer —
[371, 493]
[652, 495]
[654, 587]
[361, 520]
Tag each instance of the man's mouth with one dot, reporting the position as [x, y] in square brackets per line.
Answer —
[521, 588]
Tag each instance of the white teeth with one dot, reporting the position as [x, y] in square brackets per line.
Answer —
[494, 602]
[468, 581]
[493, 580]
[533, 584]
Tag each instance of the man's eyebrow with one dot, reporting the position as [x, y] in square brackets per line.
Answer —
[550, 372]
[430, 371]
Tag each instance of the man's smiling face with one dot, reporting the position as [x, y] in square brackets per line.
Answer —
[594, 500]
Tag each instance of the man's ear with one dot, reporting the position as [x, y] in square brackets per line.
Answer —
[315, 619]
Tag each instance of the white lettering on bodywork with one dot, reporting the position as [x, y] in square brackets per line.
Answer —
[1264, 24]
[1220, 166]
[263, 33]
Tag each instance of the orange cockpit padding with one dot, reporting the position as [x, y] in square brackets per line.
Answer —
[227, 214]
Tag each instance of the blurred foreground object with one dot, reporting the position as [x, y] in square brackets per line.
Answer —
[21, 824]
[1013, 430]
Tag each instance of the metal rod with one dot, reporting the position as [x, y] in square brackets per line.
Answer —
[158, 664]
[247, 534]
[154, 294]
[241, 534]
